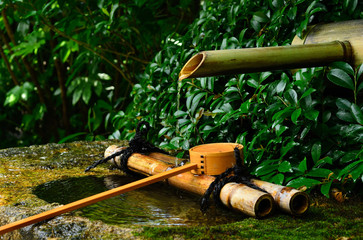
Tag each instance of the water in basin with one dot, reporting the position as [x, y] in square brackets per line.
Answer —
[153, 205]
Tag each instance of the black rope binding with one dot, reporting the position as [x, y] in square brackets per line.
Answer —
[136, 145]
[241, 175]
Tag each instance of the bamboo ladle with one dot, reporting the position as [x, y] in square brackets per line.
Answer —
[96, 198]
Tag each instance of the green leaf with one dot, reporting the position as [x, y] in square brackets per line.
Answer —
[319, 172]
[260, 17]
[224, 44]
[157, 58]
[231, 82]
[350, 5]
[281, 86]
[323, 161]
[285, 166]
[163, 131]
[325, 189]
[39, 111]
[357, 113]
[357, 172]
[104, 76]
[76, 95]
[295, 115]
[326, 116]
[86, 94]
[348, 158]
[305, 132]
[104, 10]
[285, 149]
[195, 102]
[283, 113]
[231, 90]
[64, 53]
[307, 92]
[264, 76]
[349, 168]
[280, 129]
[360, 87]
[242, 34]
[11, 99]
[265, 169]
[252, 83]
[360, 71]
[180, 113]
[189, 100]
[343, 66]
[101, 104]
[303, 181]
[312, 115]
[341, 78]
[345, 116]
[302, 165]
[343, 104]
[291, 96]
[278, 179]
[316, 151]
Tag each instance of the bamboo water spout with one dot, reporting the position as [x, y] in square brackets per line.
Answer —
[321, 45]
[247, 60]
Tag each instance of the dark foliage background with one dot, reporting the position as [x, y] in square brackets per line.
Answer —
[67, 70]
[68, 66]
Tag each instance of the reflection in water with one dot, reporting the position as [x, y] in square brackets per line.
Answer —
[156, 204]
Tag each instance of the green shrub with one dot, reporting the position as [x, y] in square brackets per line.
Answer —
[66, 67]
[295, 131]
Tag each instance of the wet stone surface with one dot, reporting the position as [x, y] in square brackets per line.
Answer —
[22, 170]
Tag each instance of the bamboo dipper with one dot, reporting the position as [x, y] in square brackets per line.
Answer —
[96, 198]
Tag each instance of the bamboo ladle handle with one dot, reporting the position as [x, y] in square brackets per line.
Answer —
[96, 198]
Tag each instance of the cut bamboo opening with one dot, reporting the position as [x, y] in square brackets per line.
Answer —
[289, 199]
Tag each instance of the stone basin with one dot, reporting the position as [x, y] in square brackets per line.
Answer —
[39, 178]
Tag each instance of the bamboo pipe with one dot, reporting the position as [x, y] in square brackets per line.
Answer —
[351, 31]
[96, 198]
[288, 199]
[259, 204]
[234, 195]
[234, 61]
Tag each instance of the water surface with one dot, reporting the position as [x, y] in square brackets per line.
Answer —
[153, 205]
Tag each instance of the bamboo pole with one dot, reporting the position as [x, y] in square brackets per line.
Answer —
[288, 199]
[96, 198]
[234, 195]
[234, 61]
[351, 31]
[259, 204]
